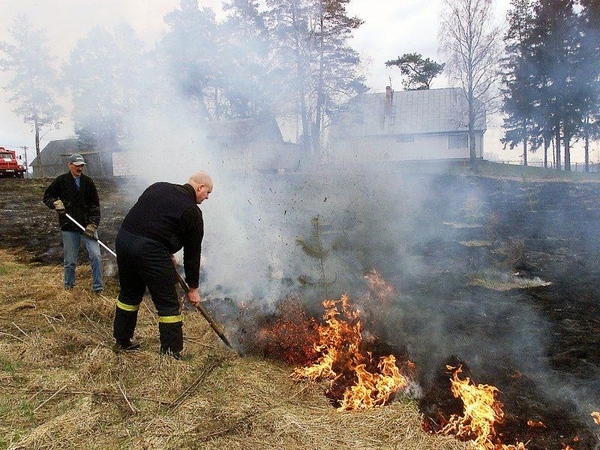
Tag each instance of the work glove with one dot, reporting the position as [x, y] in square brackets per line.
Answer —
[59, 206]
[90, 230]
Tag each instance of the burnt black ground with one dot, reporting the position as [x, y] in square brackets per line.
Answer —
[539, 345]
[27, 225]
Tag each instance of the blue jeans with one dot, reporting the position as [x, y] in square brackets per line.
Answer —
[71, 240]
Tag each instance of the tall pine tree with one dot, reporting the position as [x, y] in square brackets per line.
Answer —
[519, 103]
[315, 60]
[590, 26]
[557, 63]
[190, 51]
[246, 64]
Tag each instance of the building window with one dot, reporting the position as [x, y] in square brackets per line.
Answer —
[458, 141]
[405, 138]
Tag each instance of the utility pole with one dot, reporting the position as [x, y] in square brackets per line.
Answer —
[24, 147]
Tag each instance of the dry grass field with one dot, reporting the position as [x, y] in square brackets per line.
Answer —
[64, 388]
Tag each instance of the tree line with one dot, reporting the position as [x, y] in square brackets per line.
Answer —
[292, 59]
[551, 78]
[545, 79]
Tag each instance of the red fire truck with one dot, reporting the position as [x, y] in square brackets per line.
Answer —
[9, 166]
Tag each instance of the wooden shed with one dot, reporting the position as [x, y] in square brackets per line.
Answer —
[54, 160]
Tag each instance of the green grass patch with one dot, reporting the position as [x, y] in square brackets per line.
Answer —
[11, 268]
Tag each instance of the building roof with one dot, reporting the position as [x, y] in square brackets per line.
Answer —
[57, 152]
[54, 157]
[407, 112]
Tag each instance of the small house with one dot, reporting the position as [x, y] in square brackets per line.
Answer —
[405, 126]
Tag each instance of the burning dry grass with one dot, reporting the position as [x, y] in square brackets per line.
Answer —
[63, 387]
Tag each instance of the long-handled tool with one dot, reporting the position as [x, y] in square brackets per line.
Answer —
[96, 239]
[214, 325]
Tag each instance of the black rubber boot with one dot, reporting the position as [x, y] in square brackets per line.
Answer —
[126, 345]
[176, 355]
[124, 324]
[171, 339]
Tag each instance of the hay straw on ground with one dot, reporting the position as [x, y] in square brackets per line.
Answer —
[64, 387]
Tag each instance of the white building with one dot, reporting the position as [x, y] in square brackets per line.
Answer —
[405, 126]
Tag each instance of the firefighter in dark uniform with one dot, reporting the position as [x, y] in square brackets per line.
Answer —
[165, 219]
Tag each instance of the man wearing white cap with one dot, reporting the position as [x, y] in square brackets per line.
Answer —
[76, 194]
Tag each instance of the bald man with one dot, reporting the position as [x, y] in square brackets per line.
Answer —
[165, 219]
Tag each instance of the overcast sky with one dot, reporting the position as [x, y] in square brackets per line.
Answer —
[391, 28]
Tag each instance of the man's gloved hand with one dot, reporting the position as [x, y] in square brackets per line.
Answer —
[59, 206]
[90, 230]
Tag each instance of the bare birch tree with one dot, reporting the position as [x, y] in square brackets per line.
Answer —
[470, 41]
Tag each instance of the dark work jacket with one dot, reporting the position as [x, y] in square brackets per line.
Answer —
[83, 204]
[168, 213]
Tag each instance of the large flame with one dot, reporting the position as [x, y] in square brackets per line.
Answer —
[374, 389]
[357, 380]
[338, 341]
[481, 411]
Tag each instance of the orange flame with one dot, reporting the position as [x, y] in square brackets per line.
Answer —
[517, 375]
[363, 382]
[338, 340]
[534, 424]
[374, 389]
[481, 411]
[380, 288]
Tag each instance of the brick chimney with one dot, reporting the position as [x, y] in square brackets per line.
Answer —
[389, 96]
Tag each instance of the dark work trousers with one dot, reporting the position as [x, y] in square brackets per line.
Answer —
[145, 263]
